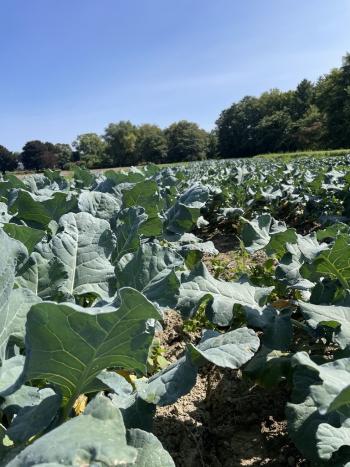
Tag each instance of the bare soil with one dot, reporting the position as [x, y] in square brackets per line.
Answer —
[226, 420]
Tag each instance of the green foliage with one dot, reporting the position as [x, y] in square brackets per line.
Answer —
[289, 156]
[213, 142]
[333, 99]
[88, 265]
[200, 321]
[90, 149]
[64, 155]
[156, 360]
[121, 139]
[314, 116]
[152, 145]
[186, 142]
[37, 155]
[72, 328]
[8, 160]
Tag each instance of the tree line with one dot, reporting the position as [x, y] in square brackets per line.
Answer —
[313, 116]
[122, 144]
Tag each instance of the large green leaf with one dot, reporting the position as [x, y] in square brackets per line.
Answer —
[10, 182]
[330, 315]
[101, 205]
[45, 275]
[138, 413]
[332, 378]
[146, 194]
[124, 177]
[10, 371]
[122, 389]
[288, 270]
[335, 263]
[199, 285]
[316, 388]
[276, 324]
[12, 252]
[26, 235]
[332, 231]
[13, 316]
[330, 439]
[309, 246]
[150, 450]
[39, 213]
[75, 261]
[168, 385]
[97, 437]
[230, 350]
[268, 367]
[266, 232]
[69, 346]
[55, 177]
[25, 398]
[151, 270]
[83, 177]
[33, 420]
[127, 230]
[38, 184]
[183, 215]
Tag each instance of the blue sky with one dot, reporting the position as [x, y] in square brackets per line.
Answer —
[73, 66]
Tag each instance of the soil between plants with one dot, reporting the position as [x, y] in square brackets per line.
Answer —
[226, 420]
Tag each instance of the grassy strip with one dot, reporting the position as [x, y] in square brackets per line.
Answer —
[287, 156]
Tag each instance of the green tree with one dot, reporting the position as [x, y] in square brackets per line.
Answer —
[274, 132]
[64, 154]
[186, 142]
[213, 145]
[37, 155]
[236, 128]
[333, 100]
[121, 139]
[151, 144]
[303, 98]
[8, 160]
[90, 149]
[275, 101]
[268, 123]
[310, 130]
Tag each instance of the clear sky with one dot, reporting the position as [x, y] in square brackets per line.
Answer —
[73, 66]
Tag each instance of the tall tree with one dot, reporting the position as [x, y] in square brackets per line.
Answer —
[151, 144]
[186, 142]
[213, 145]
[8, 160]
[37, 155]
[236, 128]
[274, 132]
[121, 139]
[303, 98]
[64, 154]
[333, 99]
[91, 149]
[309, 130]
[275, 101]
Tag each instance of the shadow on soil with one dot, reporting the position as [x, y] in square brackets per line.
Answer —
[234, 424]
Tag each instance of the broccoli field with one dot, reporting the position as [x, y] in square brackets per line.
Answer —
[132, 300]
